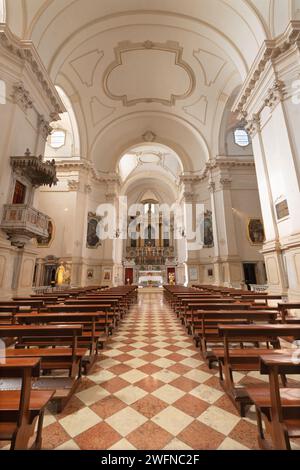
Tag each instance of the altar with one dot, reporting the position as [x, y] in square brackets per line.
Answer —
[150, 278]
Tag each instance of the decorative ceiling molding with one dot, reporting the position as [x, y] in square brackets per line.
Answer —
[170, 47]
[25, 51]
[211, 65]
[269, 52]
[149, 136]
[85, 66]
[99, 111]
[198, 110]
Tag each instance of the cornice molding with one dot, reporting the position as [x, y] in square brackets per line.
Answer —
[25, 51]
[85, 165]
[270, 50]
[220, 162]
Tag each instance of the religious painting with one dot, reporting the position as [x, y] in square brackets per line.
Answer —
[92, 239]
[107, 275]
[90, 273]
[193, 273]
[256, 233]
[46, 242]
[208, 233]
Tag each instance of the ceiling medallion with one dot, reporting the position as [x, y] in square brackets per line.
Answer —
[129, 78]
[149, 136]
[150, 158]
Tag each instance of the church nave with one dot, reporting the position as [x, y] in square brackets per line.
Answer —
[150, 390]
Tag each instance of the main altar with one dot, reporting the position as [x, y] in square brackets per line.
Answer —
[149, 252]
[150, 278]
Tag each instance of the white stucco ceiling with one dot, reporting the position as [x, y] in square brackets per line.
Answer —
[132, 66]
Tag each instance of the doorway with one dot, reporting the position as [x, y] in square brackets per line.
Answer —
[250, 274]
[128, 276]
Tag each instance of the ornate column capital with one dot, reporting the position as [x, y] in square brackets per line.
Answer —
[44, 127]
[224, 182]
[211, 186]
[21, 96]
[187, 196]
[252, 125]
[276, 94]
[73, 185]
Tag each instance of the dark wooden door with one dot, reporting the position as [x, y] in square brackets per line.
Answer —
[250, 274]
[128, 276]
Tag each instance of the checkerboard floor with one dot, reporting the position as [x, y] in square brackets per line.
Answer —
[150, 390]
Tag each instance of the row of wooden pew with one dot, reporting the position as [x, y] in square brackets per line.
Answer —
[48, 343]
[240, 331]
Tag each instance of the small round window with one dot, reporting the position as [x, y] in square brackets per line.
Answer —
[241, 137]
[57, 139]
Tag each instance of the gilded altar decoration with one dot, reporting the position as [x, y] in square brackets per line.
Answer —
[172, 279]
[256, 232]
[92, 239]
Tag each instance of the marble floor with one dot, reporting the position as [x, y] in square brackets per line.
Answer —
[150, 390]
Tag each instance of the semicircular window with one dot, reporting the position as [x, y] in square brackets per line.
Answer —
[241, 137]
[57, 139]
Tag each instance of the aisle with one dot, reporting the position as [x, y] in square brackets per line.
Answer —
[151, 390]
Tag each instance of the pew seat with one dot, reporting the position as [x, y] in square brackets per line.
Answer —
[22, 408]
[278, 406]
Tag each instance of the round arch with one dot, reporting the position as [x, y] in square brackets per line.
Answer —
[169, 130]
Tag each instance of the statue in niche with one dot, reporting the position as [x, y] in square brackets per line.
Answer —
[208, 233]
[63, 275]
[92, 239]
[60, 274]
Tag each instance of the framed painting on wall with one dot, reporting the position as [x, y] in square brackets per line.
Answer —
[107, 275]
[256, 232]
[92, 238]
[46, 242]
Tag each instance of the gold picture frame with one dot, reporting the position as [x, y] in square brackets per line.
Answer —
[47, 242]
[255, 231]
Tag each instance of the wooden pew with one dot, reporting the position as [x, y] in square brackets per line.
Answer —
[104, 308]
[191, 304]
[31, 303]
[284, 309]
[115, 304]
[204, 326]
[67, 355]
[94, 323]
[231, 360]
[277, 406]
[21, 409]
